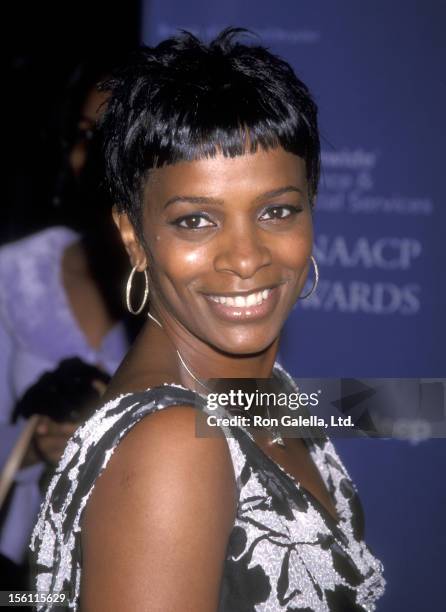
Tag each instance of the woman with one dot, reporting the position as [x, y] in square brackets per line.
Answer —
[59, 299]
[213, 160]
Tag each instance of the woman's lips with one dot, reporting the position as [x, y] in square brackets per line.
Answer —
[244, 307]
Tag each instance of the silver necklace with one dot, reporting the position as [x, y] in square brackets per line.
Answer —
[183, 363]
[276, 437]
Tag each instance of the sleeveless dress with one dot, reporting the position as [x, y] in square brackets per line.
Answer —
[285, 551]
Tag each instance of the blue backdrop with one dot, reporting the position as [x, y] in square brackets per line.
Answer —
[377, 71]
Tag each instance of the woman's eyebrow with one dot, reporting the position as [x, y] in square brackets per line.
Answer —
[278, 192]
[193, 200]
[208, 200]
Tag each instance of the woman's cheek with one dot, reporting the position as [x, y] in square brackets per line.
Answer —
[179, 262]
[295, 251]
[192, 257]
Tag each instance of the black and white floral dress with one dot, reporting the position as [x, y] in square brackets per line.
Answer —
[285, 551]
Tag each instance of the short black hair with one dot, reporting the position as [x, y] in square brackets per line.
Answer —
[184, 100]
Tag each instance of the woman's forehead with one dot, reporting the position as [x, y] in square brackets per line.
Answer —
[216, 176]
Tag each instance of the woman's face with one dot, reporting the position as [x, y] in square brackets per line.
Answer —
[229, 243]
[86, 126]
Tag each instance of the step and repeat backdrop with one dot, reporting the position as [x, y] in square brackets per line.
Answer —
[376, 70]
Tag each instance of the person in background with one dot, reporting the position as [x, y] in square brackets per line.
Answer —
[62, 399]
[59, 296]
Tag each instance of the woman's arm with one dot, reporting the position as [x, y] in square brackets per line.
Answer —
[156, 527]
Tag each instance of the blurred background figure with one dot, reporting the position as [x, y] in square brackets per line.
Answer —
[62, 289]
[62, 296]
[56, 405]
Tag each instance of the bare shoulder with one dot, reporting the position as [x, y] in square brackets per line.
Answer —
[161, 514]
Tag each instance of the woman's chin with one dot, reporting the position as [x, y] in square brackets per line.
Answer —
[242, 347]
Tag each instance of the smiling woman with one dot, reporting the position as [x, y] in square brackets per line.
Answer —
[212, 158]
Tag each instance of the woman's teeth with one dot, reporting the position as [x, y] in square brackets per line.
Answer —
[242, 301]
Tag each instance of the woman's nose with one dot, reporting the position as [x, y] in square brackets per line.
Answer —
[242, 252]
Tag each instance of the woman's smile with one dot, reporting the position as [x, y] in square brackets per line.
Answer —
[249, 306]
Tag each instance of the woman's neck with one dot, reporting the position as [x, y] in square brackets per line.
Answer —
[194, 360]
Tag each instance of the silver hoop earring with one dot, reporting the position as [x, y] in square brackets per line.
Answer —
[315, 282]
[129, 290]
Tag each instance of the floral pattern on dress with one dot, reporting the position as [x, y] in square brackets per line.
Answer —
[285, 551]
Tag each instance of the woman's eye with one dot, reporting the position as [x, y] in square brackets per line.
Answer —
[279, 212]
[194, 222]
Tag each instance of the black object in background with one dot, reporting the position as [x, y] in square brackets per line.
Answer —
[68, 393]
[46, 42]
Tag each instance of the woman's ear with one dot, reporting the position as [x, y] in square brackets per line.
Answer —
[129, 238]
